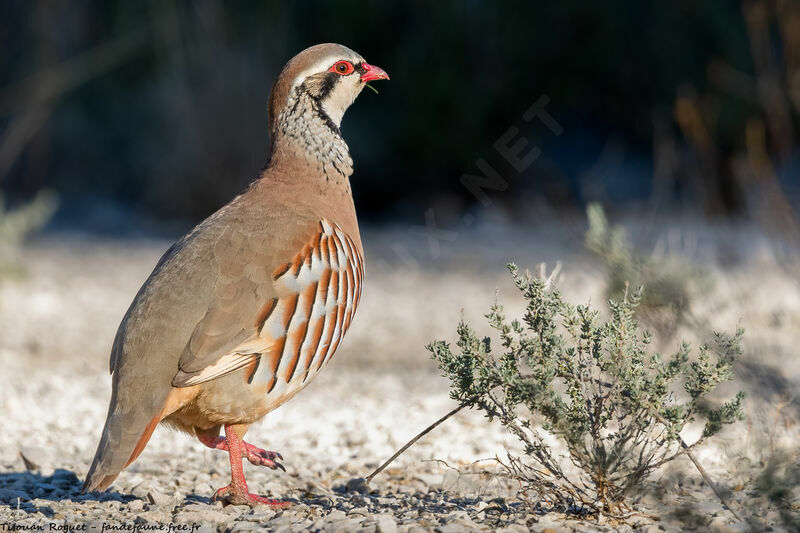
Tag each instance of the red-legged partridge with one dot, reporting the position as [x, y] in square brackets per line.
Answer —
[241, 313]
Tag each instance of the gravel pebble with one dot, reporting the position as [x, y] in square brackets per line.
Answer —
[386, 524]
[158, 498]
[136, 505]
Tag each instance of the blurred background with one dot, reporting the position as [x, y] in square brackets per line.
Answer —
[150, 115]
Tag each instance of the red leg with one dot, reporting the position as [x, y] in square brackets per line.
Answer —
[236, 493]
[254, 454]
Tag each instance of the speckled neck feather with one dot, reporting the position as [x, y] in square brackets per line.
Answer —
[305, 128]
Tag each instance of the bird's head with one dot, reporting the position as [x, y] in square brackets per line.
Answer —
[330, 75]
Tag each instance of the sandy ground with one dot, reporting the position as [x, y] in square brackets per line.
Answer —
[57, 324]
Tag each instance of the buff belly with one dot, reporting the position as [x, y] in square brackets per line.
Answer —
[214, 404]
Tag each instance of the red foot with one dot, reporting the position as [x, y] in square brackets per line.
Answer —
[254, 454]
[229, 494]
[237, 493]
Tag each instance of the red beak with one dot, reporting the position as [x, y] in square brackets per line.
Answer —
[373, 73]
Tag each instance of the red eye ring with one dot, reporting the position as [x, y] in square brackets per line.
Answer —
[343, 68]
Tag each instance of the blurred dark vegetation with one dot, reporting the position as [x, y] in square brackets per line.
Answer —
[159, 108]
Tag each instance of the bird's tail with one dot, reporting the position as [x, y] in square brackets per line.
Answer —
[124, 437]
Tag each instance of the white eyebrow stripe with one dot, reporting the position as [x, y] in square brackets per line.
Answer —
[321, 66]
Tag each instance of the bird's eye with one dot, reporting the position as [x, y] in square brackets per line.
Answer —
[342, 67]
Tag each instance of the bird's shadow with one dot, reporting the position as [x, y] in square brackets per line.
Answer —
[23, 492]
[18, 489]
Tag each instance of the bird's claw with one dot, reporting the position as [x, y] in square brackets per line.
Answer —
[269, 463]
[260, 457]
[233, 496]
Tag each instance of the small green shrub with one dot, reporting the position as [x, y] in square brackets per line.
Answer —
[672, 283]
[594, 385]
